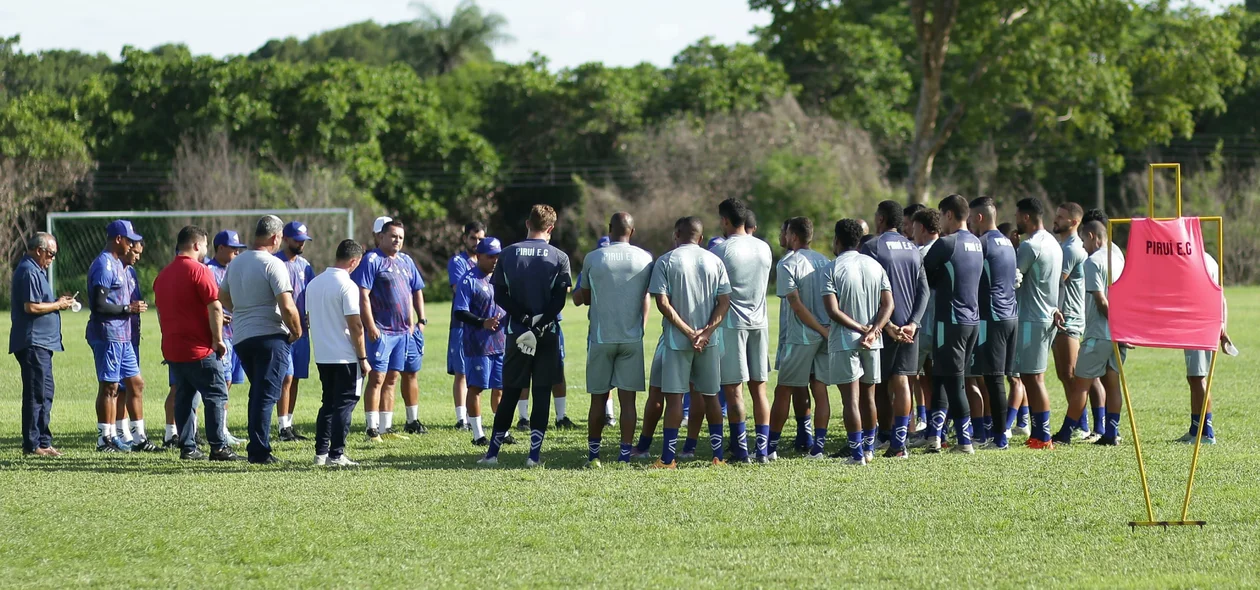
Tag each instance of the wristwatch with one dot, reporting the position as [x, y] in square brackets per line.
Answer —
[424, 321]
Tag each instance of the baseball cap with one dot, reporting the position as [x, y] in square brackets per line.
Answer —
[603, 242]
[228, 238]
[379, 224]
[489, 246]
[122, 227]
[297, 231]
[715, 241]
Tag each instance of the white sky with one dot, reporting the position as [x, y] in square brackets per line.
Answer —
[568, 32]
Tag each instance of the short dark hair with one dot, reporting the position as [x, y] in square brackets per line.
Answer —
[393, 223]
[473, 227]
[1006, 228]
[689, 227]
[930, 219]
[1095, 227]
[892, 213]
[1073, 209]
[954, 204]
[1031, 206]
[911, 209]
[734, 211]
[983, 203]
[349, 250]
[541, 218]
[849, 234]
[1094, 215]
[620, 225]
[866, 238]
[750, 221]
[189, 235]
[802, 228]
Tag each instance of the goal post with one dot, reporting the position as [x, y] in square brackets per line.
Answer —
[81, 237]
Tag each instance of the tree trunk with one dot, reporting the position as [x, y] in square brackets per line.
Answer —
[932, 29]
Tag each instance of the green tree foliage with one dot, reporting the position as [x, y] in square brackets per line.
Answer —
[442, 44]
[54, 72]
[366, 42]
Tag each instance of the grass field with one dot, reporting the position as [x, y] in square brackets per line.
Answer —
[420, 514]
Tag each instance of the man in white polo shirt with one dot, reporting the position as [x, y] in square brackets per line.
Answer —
[332, 304]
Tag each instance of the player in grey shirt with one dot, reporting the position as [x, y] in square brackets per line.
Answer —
[692, 292]
[614, 281]
[746, 331]
[1067, 340]
[1040, 262]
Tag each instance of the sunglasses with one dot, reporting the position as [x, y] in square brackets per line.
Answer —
[50, 253]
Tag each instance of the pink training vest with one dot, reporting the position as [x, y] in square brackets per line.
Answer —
[1165, 297]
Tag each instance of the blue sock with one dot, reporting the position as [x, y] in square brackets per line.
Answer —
[722, 401]
[624, 455]
[739, 435]
[962, 430]
[1208, 432]
[535, 445]
[901, 429]
[855, 446]
[592, 448]
[1035, 427]
[496, 441]
[645, 443]
[883, 436]
[800, 430]
[689, 445]
[936, 423]
[1024, 416]
[809, 431]
[986, 429]
[920, 412]
[820, 441]
[671, 443]
[1083, 424]
[1068, 425]
[868, 441]
[772, 445]
[715, 440]
[1011, 414]
[1044, 432]
[763, 439]
[1100, 420]
[1113, 426]
[999, 439]
[686, 403]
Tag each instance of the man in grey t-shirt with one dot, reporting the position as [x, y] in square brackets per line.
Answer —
[746, 331]
[1067, 339]
[614, 281]
[265, 321]
[1040, 261]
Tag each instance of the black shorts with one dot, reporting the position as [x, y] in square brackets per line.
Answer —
[544, 367]
[995, 349]
[898, 358]
[954, 345]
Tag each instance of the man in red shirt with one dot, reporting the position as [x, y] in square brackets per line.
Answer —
[191, 318]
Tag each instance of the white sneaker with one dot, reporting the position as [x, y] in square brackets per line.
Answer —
[532, 464]
[489, 461]
[816, 457]
[920, 426]
[917, 442]
[933, 444]
[232, 441]
[1009, 434]
[1080, 434]
[1092, 438]
[1021, 431]
[773, 456]
[852, 461]
[321, 459]
[868, 457]
[963, 449]
[343, 461]
[883, 446]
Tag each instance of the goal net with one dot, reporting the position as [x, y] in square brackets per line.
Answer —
[81, 237]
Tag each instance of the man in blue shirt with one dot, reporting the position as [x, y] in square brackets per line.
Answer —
[463, 261]
[109, 330]
[482, 338]
[899, 359]
[994, 359]
[392, 306]
[35, 316]
[131, 432]
[531, 284]
[300, 275]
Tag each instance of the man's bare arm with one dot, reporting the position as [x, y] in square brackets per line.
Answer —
[671, 315]
[803, 314]
[833, 311]
[216, 323]
[289, 314]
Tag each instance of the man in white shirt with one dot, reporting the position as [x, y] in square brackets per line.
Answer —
[332, 304]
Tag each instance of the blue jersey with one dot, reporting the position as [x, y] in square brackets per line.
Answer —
[133, 281]
[390, 281]
[457, 266]
[300, 275]
[527, 273]
[107, 272]
[953, 266]
[904, 266]
[220, 272]
[475, 295]
[997, 282]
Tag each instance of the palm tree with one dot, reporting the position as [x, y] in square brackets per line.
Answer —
[442, 45]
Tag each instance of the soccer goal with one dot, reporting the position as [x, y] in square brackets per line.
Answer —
[81, 237]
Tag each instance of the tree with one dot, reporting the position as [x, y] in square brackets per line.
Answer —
[54, 72]
[469, 35]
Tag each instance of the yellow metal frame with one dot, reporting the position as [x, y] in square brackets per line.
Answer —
[1124, 386]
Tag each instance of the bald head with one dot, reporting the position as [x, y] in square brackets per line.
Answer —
[620, 227]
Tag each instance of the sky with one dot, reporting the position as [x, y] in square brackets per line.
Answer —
[568, 32]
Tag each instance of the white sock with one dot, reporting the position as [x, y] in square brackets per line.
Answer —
[477, 432]
[560, 404]
[137, 430]
[288, 419]
[373, 420]
[522, 409]
[608, 407]
[387, 420]
[120, 427]
[102, 430]
[171, 431]
[461, 413]
[413, 413]
[284, 422]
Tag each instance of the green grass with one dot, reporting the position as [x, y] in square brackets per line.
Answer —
[420, 514]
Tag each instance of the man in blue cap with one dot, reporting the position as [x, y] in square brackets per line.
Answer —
[483, 338]
[131, 433]
[460, 263]
[109, 329]
[300, 275]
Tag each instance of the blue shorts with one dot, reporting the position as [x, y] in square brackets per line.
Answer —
[300, 358]
[485, 372]
[396, 351]
[233, 372]
[561, 334]
[115, 361]
[455, 362]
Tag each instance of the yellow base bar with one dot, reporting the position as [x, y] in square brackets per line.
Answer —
[1168, 523]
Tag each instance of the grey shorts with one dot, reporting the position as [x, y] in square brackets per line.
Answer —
[801, 361]
[1034, 347]
[656, 363]
[1198, 362]
[683, 369]
[1073, 331]
[1095, 357]
[618, 366]
[745, 355]
[848, 366]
